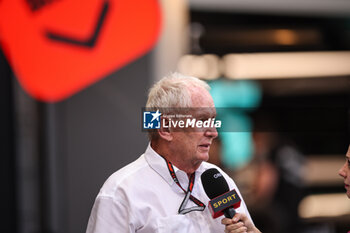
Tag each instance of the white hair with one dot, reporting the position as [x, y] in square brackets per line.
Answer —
[172, 91]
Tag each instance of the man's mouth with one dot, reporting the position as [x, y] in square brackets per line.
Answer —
[206, 145]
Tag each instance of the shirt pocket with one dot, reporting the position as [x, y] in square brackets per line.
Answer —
[175, 224]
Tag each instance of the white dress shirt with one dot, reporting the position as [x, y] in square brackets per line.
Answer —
[142, 197]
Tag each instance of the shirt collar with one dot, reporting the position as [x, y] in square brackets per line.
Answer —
[158, 164]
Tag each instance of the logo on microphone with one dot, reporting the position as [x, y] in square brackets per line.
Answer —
[151, 120]
[224, 201]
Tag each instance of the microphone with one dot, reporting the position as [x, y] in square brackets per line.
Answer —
[222, 200]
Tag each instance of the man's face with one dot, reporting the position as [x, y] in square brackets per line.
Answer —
[345, 173]
[192, 145]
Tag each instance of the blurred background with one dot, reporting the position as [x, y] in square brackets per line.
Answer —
[279, 69]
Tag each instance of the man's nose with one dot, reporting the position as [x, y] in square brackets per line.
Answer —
[211, 132]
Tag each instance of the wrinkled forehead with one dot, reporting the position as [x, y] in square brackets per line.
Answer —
[201, 98]
[203, 113]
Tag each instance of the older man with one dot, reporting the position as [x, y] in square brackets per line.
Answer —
[148, 195]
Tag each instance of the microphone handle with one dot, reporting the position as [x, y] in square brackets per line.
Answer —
[229, 212]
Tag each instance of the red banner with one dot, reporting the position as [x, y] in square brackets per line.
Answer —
[58, 47]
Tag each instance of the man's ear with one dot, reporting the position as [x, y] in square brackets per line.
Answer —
[165, 132]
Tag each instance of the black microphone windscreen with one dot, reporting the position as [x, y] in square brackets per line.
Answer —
[214, 183]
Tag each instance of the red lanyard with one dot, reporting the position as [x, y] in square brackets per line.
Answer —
[200, 206]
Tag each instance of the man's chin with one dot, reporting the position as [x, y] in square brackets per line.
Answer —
[204, 157]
